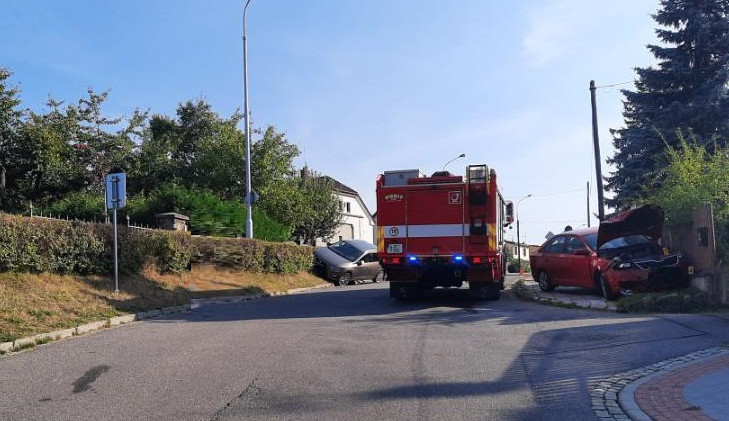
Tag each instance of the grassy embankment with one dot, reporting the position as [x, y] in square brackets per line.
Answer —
[32, 304]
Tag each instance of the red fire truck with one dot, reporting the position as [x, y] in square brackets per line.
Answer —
[442, 231]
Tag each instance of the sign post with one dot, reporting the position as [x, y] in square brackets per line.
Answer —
[116, 198]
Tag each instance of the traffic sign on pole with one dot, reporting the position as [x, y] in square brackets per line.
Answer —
[116, 198]
[116, 190]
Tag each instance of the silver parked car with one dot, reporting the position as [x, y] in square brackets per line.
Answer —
[348, 261]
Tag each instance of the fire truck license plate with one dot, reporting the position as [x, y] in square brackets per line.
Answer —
[394, 248]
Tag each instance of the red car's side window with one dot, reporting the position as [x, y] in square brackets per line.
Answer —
[573, 243]
[555, 246]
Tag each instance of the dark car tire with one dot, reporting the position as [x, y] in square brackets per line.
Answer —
[605, 288]
[380, 276]
[545, 284]
[345, 279]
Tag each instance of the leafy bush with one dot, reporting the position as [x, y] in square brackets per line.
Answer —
[209, 215]
[45, 245]
[287, 258]
[694, 176]
[83, 205]
[679, 301]
[252, 255]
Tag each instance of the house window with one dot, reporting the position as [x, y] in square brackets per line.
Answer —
[348, 208]
[341, 205]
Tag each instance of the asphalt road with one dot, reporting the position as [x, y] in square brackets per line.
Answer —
[346, 353]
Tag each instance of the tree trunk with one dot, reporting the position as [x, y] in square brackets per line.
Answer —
[3, 191]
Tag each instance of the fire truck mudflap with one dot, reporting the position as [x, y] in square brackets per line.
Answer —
[442, 231]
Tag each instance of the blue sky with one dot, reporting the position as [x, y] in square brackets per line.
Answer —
[364, 86]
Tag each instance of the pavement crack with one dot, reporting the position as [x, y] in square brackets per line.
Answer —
[683, 325]
[221, 411]
[613, 345]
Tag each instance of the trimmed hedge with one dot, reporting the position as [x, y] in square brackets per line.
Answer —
[252, 255]
[46, 245]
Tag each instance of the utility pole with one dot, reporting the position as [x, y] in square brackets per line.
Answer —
[247, 112]
[518, 236]
[598, 167]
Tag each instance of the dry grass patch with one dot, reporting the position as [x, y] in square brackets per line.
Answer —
[32, 304]
[208, 280]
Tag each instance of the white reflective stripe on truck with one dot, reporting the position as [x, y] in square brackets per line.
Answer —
[422, 231]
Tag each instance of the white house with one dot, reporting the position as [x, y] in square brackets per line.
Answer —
[357, 222]
[523, 249]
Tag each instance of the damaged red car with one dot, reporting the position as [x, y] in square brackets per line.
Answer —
[621, 256]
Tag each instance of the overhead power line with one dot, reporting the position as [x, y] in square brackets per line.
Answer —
[581, 189]
[615, 84]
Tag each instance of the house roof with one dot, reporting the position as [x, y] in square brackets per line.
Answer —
[337, 186]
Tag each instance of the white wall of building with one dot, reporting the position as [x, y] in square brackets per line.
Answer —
[356, 223]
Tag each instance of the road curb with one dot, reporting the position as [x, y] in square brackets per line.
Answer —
[533, 293]
[197, 302]
[613, 397]
[22, 344]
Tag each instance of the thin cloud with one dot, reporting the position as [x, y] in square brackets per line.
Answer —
[551, 29]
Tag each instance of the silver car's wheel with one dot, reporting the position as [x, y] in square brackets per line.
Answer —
[380, 276]
[345, 279]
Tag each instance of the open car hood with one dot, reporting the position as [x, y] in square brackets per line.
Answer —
[645, 220]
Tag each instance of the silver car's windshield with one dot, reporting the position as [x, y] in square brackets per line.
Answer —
[346, 250]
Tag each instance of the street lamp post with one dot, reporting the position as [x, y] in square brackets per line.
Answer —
[463, 155]
[246, 111]
[518, 237]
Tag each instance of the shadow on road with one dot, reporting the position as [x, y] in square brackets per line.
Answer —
[451, 306]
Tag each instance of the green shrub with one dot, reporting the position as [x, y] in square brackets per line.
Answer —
[209, 215]
[678, 301]
[45, 245]
[287, 258]
[252, 255]
[82, 205]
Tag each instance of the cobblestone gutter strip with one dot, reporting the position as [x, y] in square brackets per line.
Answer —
[31, 341]
[531, 292]
[612, 398]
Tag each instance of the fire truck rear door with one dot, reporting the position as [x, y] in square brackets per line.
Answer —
[436, 221]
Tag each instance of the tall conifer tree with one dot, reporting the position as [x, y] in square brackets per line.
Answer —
[687, 91]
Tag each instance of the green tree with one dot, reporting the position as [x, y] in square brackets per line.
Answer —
[693, 176]
[10, 123]
[687, 90]
[319, 210]
[66, 149]
[209, 214]
[197, 150]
